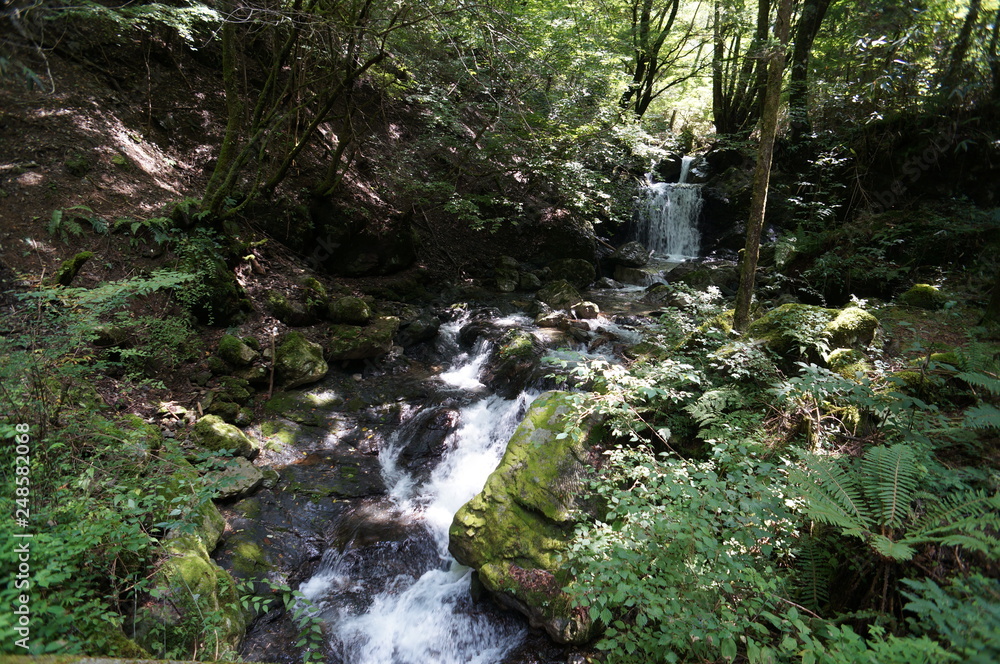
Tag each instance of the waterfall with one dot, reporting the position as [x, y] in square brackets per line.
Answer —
[668, 216]
[409, 602]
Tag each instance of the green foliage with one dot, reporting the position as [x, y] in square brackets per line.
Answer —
[965, 614]
[877, 502]
[686, 562]
[304, 614]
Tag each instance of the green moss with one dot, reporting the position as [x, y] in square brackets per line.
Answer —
[214, 434]
[852, 327]
[71, 267]
[923, 296]
[349, 311]
[350, 342]
[235, 352]
[299, 361]
[249, 558]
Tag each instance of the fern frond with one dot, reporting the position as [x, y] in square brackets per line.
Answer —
[833, 497]
[979, 379]
[983, 416]
[814, 568]
[887, 548]
[889, 481]
[959, 520]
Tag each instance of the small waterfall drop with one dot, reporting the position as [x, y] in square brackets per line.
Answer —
[417, 608]
[668, 216]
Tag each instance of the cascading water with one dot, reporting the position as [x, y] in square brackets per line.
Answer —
[668, 216]
[416, 607]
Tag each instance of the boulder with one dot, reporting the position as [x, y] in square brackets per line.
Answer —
[221, 299]
[923, 296]
[585, 310]
[511, 363]
[349, 310]
[507, 274]
[299, 361]
[515, 530]
[235, 352]
[578, 272]
[351, 342]
[289, 311]
[528, 282]
[630, 254]
[237, 478]
[213, 433]
[797, 331]
[422, 328]
[558, 294]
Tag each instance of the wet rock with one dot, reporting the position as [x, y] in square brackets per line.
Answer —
[351, 342]
[515, 531]
[427, 435]
[607, 282]
[630, 254]
[511, 363]
[311, 409]
[299, 361]
[585, 310]
[528, 281]
[423, 328]
[339, 473]
[481, 325]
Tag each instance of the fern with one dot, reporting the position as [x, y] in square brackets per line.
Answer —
[958, 520]
[814, 567]
[980, 379]
[983, 416]
[890, 482]
[833, 497]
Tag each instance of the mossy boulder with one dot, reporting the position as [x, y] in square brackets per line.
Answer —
[213, 433]
[311, 409]
[507, 274]
[185, 490]
[576, 271]
[559, 294]
[235, 352]
[71, 267]
[516, 529]
[848, 362]
[801, 331]
[349, 310]
[350, 342]
[299, 361]
[194, 604]
[289, 310]
[923, 296]
[237, 478]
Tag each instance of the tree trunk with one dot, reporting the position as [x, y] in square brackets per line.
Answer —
[813, 12]
[952, 76]
[215, 192]
[994, 59]
[762, 173]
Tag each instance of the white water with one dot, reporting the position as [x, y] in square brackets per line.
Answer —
[668, 216]
[429, 618]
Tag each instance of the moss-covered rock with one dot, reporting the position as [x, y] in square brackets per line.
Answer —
[214, 434]
[233, 351]
[796, 331]
[848, 362]
[71, 267]
[289, 311]
[299, 361]
[349, 310]
[221, 299]
[579, 272]
[185, 490]
[350, 342]
[194, 604]
[312, 409]
[514, 531]
[236, 479]
[852, 327]
[559, 294]
[923, 296]
[630, 254]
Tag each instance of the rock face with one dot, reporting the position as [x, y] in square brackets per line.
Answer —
[513, 532]
[239, 478]
[299, 361]
[576, 271]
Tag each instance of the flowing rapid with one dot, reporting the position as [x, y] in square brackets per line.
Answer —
[405, 600]
[667, 216]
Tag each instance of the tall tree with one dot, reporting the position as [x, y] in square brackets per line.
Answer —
[650, 64]
[810, 20]
[738, 70]
[762, 172]
[952, 75]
